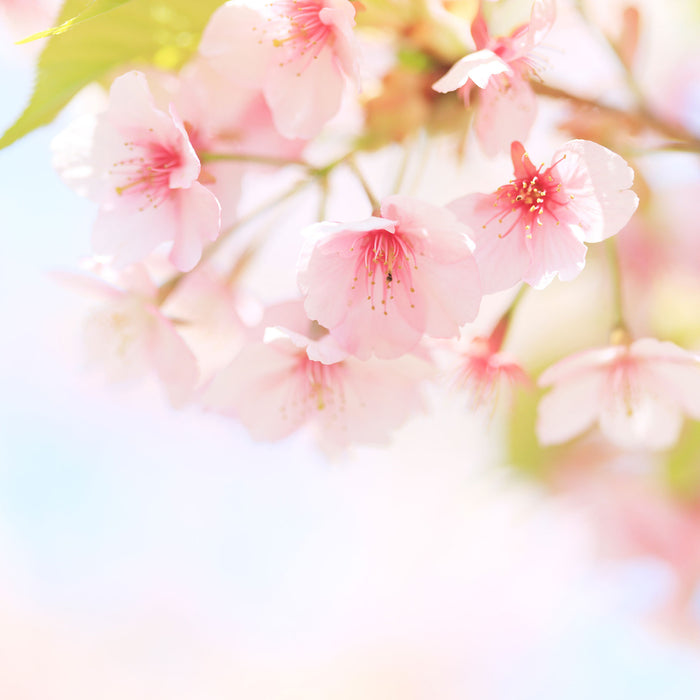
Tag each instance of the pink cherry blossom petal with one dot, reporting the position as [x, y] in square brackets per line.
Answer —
[147, 229]
[132, 110]
[506, 113]
[570, 408]
[502, 259]
[378, 400]
[641, 392]
[648, 422]
[555, 252]
[599, 181]
[365, 330]
[579, 363]
[542, 18]
[673, 371]
[303, 95]
[198, 221]
[276, 386]
[173, 361]
[233, 43]
[478, 67]
[449, 285]
[128, 337]
[256, 389]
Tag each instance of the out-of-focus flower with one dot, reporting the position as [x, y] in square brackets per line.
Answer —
[27, 16]
[482, 368]
[637, 393]
[534, 228]
[380, 284]
[140, 166]
[206, 307]
[222, 122]
[501, 67]
[128, 337]
[297, 374]
[299, 52]
[633, 518]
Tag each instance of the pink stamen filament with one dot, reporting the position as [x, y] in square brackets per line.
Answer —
[317, 385]
[147, 175]
[304, 29]
[531, 199]
[386, 256]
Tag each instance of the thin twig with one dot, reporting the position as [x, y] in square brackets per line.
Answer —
[640, 117]
[350, 162]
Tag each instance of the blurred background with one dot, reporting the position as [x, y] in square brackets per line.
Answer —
[148, 553]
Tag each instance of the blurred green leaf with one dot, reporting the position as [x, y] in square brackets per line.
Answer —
[414, 60]
[523, 450]
[96, 7]
[161, 33]
[683, 466]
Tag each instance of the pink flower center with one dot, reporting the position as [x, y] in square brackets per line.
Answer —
[480, 372]
[304, 32]
[622, 385]
[387, 257]
[146, 175]
[317, 385]
[526, 200]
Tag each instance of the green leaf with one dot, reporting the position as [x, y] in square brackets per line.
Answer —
[524, 453]
[683, 466]
[97, 7]
[161, 33]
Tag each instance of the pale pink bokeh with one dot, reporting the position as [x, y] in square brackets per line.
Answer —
[127, 336]
[297, 374]
[637, 393]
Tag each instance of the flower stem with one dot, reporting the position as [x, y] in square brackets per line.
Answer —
[614, 260]
[500, 330]
[207, 157]
[350, 162]
[169, 286]
[640, 118]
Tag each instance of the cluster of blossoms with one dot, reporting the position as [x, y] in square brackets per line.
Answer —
[380, 299]
[211, 274]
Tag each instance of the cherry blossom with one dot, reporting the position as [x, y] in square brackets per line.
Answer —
[224, 122]
[139, 164]
[534, 227]
[297, 374]
[126, 334]
[637, 393]
[380, 284]
[207, 309]
[482, 367]
[501, 67]
[302, 53]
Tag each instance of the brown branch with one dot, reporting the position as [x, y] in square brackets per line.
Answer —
[642, 117]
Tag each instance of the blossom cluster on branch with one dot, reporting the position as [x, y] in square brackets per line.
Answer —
[382, 299]
[335, 210]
